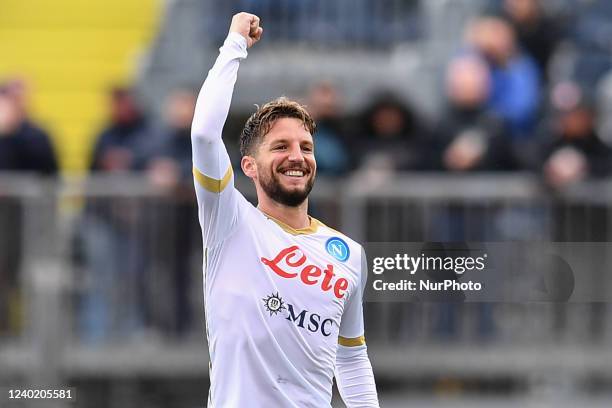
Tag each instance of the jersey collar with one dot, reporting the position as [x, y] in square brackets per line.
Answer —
[311, 229]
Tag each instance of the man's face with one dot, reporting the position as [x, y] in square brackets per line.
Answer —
[124, 108]
[285, 162]
[180, 108]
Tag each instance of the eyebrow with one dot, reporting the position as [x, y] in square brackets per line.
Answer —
[287, 141]
[278, 141]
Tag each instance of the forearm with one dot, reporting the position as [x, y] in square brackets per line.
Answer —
[215, 97]
[355, 378]
[212, 107]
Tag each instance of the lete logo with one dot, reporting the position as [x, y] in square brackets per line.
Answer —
[291, 260]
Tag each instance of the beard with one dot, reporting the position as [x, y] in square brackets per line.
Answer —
[272, 186]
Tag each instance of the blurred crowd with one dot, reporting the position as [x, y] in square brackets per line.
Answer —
[506, 107]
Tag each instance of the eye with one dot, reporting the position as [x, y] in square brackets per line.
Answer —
[307, 148]
[279, 147]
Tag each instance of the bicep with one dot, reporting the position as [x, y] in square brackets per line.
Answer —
[218, 200]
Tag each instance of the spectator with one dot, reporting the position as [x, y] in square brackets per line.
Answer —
[333, 156]
[515, 80]
[123, 144]
[170, 162]
[394, 138]
[537, 33]
[470, 137]
[573, 151]
[23, 145]
[111, 235]
[170, 168]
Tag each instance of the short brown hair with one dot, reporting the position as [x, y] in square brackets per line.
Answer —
[264, 117]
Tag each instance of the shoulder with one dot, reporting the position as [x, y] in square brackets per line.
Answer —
[106, 135]
[342, 246]
[35, 130]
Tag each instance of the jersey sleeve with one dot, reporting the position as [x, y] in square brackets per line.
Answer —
[218, 201]
[351, 324]
[353, 370]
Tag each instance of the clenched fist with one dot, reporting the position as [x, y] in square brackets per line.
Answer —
[247, 25]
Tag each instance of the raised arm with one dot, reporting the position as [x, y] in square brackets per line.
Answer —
[354, 375]
[218, 201]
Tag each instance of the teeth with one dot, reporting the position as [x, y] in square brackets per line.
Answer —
[296, 173]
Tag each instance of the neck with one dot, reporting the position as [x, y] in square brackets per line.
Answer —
[295, 217]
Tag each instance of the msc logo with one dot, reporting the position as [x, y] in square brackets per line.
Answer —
[274, 303]
[337, 248]
[306, 320]
[314, 322]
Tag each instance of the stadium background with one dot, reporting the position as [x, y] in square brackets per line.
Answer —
[433, 127]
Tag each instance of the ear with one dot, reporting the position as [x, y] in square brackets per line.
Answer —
[249, 167]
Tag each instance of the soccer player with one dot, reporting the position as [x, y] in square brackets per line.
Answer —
[283, 292]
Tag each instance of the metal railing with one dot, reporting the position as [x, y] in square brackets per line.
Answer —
[103, 276]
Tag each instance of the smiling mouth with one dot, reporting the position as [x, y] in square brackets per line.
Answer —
[294, 173]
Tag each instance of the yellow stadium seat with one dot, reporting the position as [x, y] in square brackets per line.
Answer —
[71, 52]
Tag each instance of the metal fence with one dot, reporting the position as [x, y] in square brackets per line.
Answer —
[101, 278]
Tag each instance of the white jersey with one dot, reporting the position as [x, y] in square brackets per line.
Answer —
[278, 300]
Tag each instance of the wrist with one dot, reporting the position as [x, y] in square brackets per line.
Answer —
[236, 41]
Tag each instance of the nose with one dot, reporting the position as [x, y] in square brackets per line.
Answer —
[295, 153]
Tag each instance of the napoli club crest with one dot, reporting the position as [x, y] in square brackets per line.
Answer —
[337, 248]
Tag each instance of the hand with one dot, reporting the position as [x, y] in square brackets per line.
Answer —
[566, 166]
[247, 25]
[164, 173]
[116, 159]
[465, 152]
